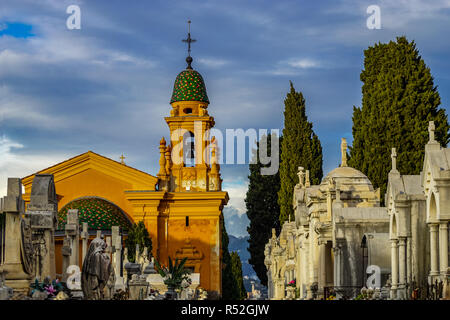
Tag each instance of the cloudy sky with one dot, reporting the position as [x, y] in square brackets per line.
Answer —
[107, 86]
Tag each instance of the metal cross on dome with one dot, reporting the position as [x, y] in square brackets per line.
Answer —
[189, 40]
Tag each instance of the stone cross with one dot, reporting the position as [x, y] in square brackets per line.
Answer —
[19, 272]
[115, 232]
[138, 256]
[72, 232]
[124, 262]
[108, 246]
[144, 258]
[394, 159]
[431, 129]
[343, 152]
[85, 239]
[301, 175]
[117, 247]
[66, 251]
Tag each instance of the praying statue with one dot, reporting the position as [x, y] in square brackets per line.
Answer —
[96, 270]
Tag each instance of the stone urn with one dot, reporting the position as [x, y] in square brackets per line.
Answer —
[170, 293]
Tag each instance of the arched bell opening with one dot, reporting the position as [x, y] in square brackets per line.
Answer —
[189, 149]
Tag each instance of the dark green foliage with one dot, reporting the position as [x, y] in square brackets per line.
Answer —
[263, 211]
[174, 274]
[229, 286]
[138, 234]
[300, 148]
[398, 100]
[236, 268]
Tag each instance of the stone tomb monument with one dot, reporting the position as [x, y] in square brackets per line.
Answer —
[42, 212]
[16, 255]
[73, 234]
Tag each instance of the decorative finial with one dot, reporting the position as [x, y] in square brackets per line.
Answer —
[189, 40]
[307, 182]
[431, 129]
[121, 159]
[394, 160]
[343, 152]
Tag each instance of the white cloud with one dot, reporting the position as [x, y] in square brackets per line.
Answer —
[15, 165]
[236, 192]
[212, 62]
[303, 63]
[26, 111]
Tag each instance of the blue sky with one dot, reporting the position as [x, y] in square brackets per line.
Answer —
[107, 87]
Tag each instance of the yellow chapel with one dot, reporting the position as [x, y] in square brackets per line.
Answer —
[181, 207]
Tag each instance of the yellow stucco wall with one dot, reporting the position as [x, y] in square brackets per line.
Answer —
[164, 213]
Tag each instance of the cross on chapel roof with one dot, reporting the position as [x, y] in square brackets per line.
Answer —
[189, 40]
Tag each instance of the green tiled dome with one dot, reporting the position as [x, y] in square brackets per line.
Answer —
[98, 213]
[189, 86]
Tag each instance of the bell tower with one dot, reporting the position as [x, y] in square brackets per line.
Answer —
[189, 161]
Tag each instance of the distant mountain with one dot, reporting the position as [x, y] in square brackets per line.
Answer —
[240, 245]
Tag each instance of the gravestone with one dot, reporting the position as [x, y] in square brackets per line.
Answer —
[138, 287]
[72, 232]
[124, 262]
[85, 239]
[117, 257]
[42, 213]
[17, 251]
[66, 252]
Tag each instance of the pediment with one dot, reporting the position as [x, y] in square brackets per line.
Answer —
[91, 160]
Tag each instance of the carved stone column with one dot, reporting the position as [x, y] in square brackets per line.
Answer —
[394, 268]
[402, 267]
[443, 249]
[322, 266]
[434, 249]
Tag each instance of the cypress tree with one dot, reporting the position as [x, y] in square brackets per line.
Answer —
[229, 287]
[236, 267]
[263, 210]
[300, 147]
[399, 98]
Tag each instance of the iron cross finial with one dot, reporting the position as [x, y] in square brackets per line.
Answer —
[121, 159]
[189, 40]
